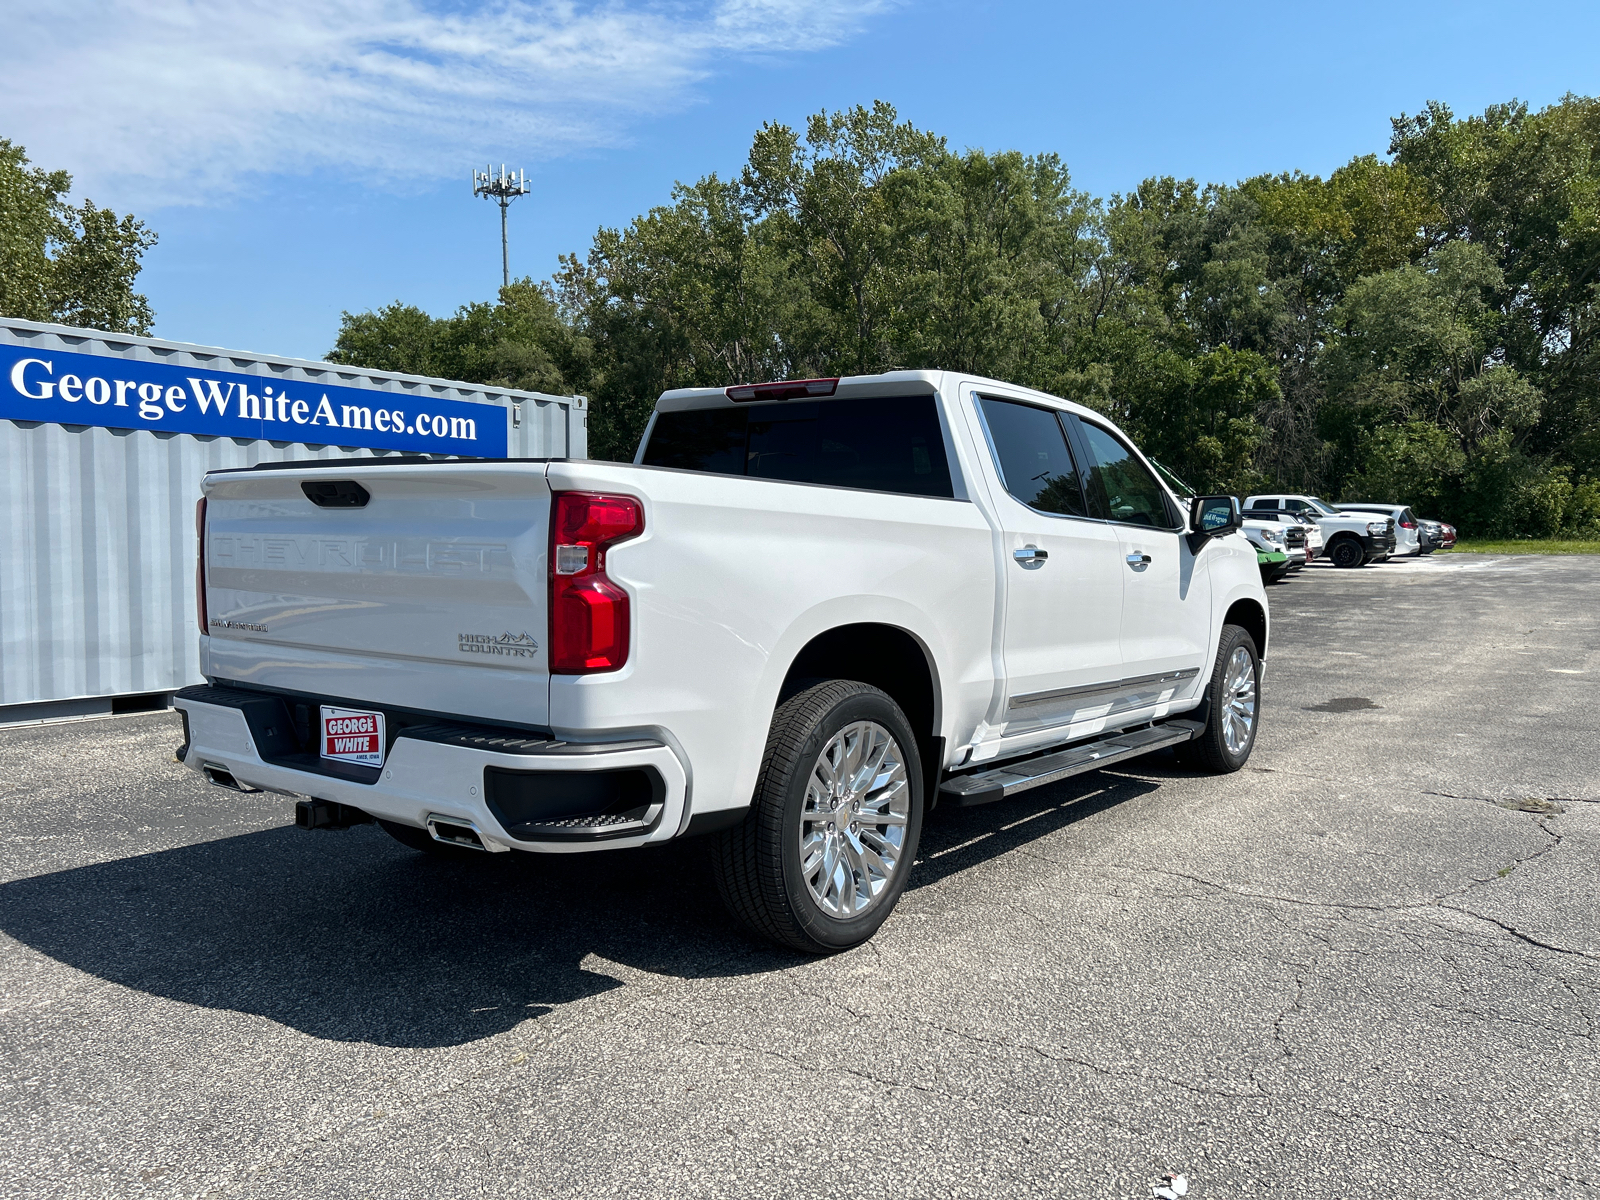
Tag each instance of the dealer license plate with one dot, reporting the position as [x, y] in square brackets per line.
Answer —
[352, 735]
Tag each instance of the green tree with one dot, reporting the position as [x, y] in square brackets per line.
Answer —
[1416, 369]
[1526, 188]
[520, 342]
[829, 209]
[76, 265]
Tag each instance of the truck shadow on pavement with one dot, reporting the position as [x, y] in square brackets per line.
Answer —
[349, 936]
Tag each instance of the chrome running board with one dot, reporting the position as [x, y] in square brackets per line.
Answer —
[996, 783]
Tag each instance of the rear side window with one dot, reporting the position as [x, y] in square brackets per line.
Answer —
[709, 439]
[1035, 459]
[1121, 487]
[877, 443]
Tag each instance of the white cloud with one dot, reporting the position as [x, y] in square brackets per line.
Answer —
[179, 101]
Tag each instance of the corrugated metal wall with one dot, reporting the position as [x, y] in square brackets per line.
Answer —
[97, 551]
[97, 543]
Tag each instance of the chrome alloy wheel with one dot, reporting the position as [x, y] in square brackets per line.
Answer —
[853, 819]
[1238, 701]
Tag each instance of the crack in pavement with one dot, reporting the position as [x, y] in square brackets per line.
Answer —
[1550, 803]
[1260, 1093]
[1510, 1020]
[1443, 1134]
[1438, 902]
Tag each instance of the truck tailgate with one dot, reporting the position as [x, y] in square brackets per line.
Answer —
[431, 594]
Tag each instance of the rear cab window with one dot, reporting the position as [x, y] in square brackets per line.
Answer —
[872, 443]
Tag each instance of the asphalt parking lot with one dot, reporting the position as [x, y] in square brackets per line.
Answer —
[1367, 965]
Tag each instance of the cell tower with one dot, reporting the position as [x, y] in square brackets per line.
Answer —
[503, 189]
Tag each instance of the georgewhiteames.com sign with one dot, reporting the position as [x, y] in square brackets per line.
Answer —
[64, 388]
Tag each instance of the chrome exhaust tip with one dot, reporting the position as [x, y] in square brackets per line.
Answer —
[222, 777]
[455, 831]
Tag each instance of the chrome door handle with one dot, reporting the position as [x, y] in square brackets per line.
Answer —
[1138, 560]
[1031, 557]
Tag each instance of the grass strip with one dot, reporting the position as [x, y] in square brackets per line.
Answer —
[1525, 546]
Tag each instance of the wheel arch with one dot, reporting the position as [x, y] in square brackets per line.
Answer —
[894, 661]
[885, 656]
[1250, 616]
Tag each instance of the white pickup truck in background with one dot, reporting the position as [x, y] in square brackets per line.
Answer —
[1349, 539]
[805, 613]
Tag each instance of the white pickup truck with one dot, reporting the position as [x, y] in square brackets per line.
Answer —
[805, 614]
[1349, 539]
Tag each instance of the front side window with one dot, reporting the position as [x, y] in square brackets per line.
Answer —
[1034, 458]
[1120, 486]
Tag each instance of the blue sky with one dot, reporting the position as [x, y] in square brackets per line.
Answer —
[303, 157]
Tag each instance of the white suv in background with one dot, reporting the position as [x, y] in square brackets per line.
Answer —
[1407, 530]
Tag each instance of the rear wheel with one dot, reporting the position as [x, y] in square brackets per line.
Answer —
[1233, 702]
[823, 855]
[1347, 552]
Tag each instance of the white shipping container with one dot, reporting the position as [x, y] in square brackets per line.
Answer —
[97, 539]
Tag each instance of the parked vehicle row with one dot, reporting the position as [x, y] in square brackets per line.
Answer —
[1352, 533]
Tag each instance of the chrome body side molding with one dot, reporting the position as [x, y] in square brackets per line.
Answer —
[1109, 688]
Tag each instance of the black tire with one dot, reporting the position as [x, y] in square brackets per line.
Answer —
[421, 839]
[1347, 552]
[757, 863]
[1211, 750]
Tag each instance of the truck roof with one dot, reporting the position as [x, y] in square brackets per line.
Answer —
[887, 383]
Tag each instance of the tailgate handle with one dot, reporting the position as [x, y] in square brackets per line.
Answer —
[340, 493]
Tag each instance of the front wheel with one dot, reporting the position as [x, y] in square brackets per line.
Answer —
[1348, 553]
[823, 855]
[1233, 704]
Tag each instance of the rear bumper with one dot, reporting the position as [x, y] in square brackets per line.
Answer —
[456, 772]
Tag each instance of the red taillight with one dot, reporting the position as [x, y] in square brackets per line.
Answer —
[200, 562]
[588, 613]
[787, 389]
[1408, 524]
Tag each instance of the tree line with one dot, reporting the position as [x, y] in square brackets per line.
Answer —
[1419, 326]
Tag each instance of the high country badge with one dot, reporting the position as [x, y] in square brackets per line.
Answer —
[507, 645]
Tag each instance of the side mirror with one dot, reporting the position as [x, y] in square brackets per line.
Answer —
[1213, 516]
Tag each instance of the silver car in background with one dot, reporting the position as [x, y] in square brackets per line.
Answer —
[1436, 535]
[1407, 529]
